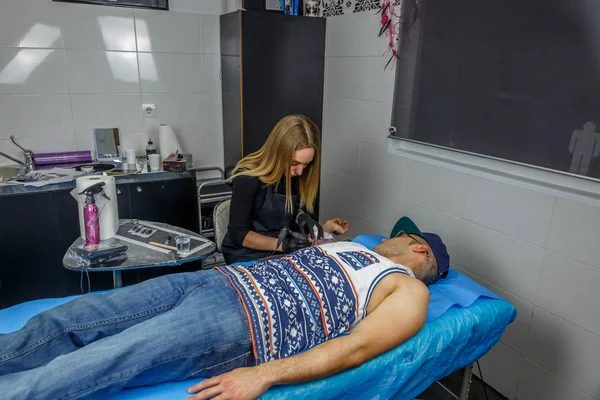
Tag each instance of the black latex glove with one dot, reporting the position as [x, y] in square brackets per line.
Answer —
[309, 226]
[294, 241]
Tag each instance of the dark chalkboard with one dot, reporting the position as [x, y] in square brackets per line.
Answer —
[514, 79]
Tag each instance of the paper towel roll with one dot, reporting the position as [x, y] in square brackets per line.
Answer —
[109, 217]
[167, 141]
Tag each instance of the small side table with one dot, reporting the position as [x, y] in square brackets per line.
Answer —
[142, 256]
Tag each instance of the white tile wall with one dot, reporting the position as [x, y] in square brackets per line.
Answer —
[213, 147]
[379, 168]
[537, 383]
[29, 23]
[501, 368]
[209, 35]
[211, 67]
[491, 204]
[53, 117]
[575, 232]
[377, 87]
[516, 333]
[195, 141]
[93, 71]
[171, 32]
[384, 215]
[105, 111]
[345, 76]
[66, 69]
[565, 350]
[565, 289]
[178, 110]
[343, 117]
[342, 155]
[358, 226]
[525, 245]
[96, 27]
[45, 145]
[339, 190]
[170, 73]
[135, 141]
[374, 122]
[434, 186]
[505, 261]
[31, 71]
[213, 115]
[352, 35]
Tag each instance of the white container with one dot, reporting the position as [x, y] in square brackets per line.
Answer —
[167, 141]
[131, 156]
[154, 162]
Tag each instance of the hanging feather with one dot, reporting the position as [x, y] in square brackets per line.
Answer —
[394, 24]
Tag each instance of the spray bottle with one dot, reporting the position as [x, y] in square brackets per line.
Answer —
[90, 213]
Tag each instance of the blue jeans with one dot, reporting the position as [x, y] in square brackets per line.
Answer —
[169, 328]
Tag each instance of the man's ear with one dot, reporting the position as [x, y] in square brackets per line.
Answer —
[420, 248]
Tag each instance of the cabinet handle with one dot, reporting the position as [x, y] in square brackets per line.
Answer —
[119, 192]
[139, 189]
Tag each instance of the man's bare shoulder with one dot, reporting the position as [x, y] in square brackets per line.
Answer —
[396, 282]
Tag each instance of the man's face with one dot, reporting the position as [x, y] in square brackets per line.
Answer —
[400, 245]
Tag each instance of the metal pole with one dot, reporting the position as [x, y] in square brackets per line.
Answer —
[466, 383]
[117, 282]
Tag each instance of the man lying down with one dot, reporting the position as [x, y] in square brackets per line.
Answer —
[246, 328]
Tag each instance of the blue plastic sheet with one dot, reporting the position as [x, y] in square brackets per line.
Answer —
[464, 321]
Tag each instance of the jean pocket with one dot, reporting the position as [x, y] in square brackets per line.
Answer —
[225, 366]
[245, 321]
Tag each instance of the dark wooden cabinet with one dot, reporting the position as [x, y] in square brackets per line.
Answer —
[272, 65]
[173, 202]
[38, 228]
[30, 248]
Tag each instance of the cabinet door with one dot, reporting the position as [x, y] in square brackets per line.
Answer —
[31, 266]
[173, 202]
[124, 201]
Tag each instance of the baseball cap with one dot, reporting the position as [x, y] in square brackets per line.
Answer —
[406, 225]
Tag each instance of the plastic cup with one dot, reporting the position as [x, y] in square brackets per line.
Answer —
[183, 245]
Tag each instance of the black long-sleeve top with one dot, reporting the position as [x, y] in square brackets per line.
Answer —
[248, 197]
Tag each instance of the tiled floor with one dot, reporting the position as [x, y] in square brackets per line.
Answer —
[453, 382]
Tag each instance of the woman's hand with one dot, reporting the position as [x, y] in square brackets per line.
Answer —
[309, 226]
[336, 226]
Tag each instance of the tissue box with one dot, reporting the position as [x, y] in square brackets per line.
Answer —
[177, 162]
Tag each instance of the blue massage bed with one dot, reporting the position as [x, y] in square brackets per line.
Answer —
[464, 321]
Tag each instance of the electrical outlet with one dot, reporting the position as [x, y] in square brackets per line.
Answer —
[148, 110]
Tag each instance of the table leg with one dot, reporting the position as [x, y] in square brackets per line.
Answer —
[117, 282]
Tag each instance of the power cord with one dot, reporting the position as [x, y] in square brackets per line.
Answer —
[81, 280]
[482, 381]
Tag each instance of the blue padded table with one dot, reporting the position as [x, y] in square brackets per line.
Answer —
[464, 322]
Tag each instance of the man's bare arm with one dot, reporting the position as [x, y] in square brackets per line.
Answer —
[400, 316]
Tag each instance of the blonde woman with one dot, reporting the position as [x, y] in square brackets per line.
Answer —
[276, 188]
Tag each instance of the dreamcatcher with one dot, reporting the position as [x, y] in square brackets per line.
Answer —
[397, 17]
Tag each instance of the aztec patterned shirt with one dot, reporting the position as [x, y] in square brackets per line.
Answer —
[307, 297]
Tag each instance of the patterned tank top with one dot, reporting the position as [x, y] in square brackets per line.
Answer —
[310, 296]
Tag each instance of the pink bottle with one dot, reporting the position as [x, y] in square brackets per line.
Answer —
[92, 227]
[90, 214]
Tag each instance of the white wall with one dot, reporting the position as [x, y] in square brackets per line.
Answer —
[66, 69]
[541, 252]
[205, 6]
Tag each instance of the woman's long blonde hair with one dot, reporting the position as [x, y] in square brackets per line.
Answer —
[274, 160]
